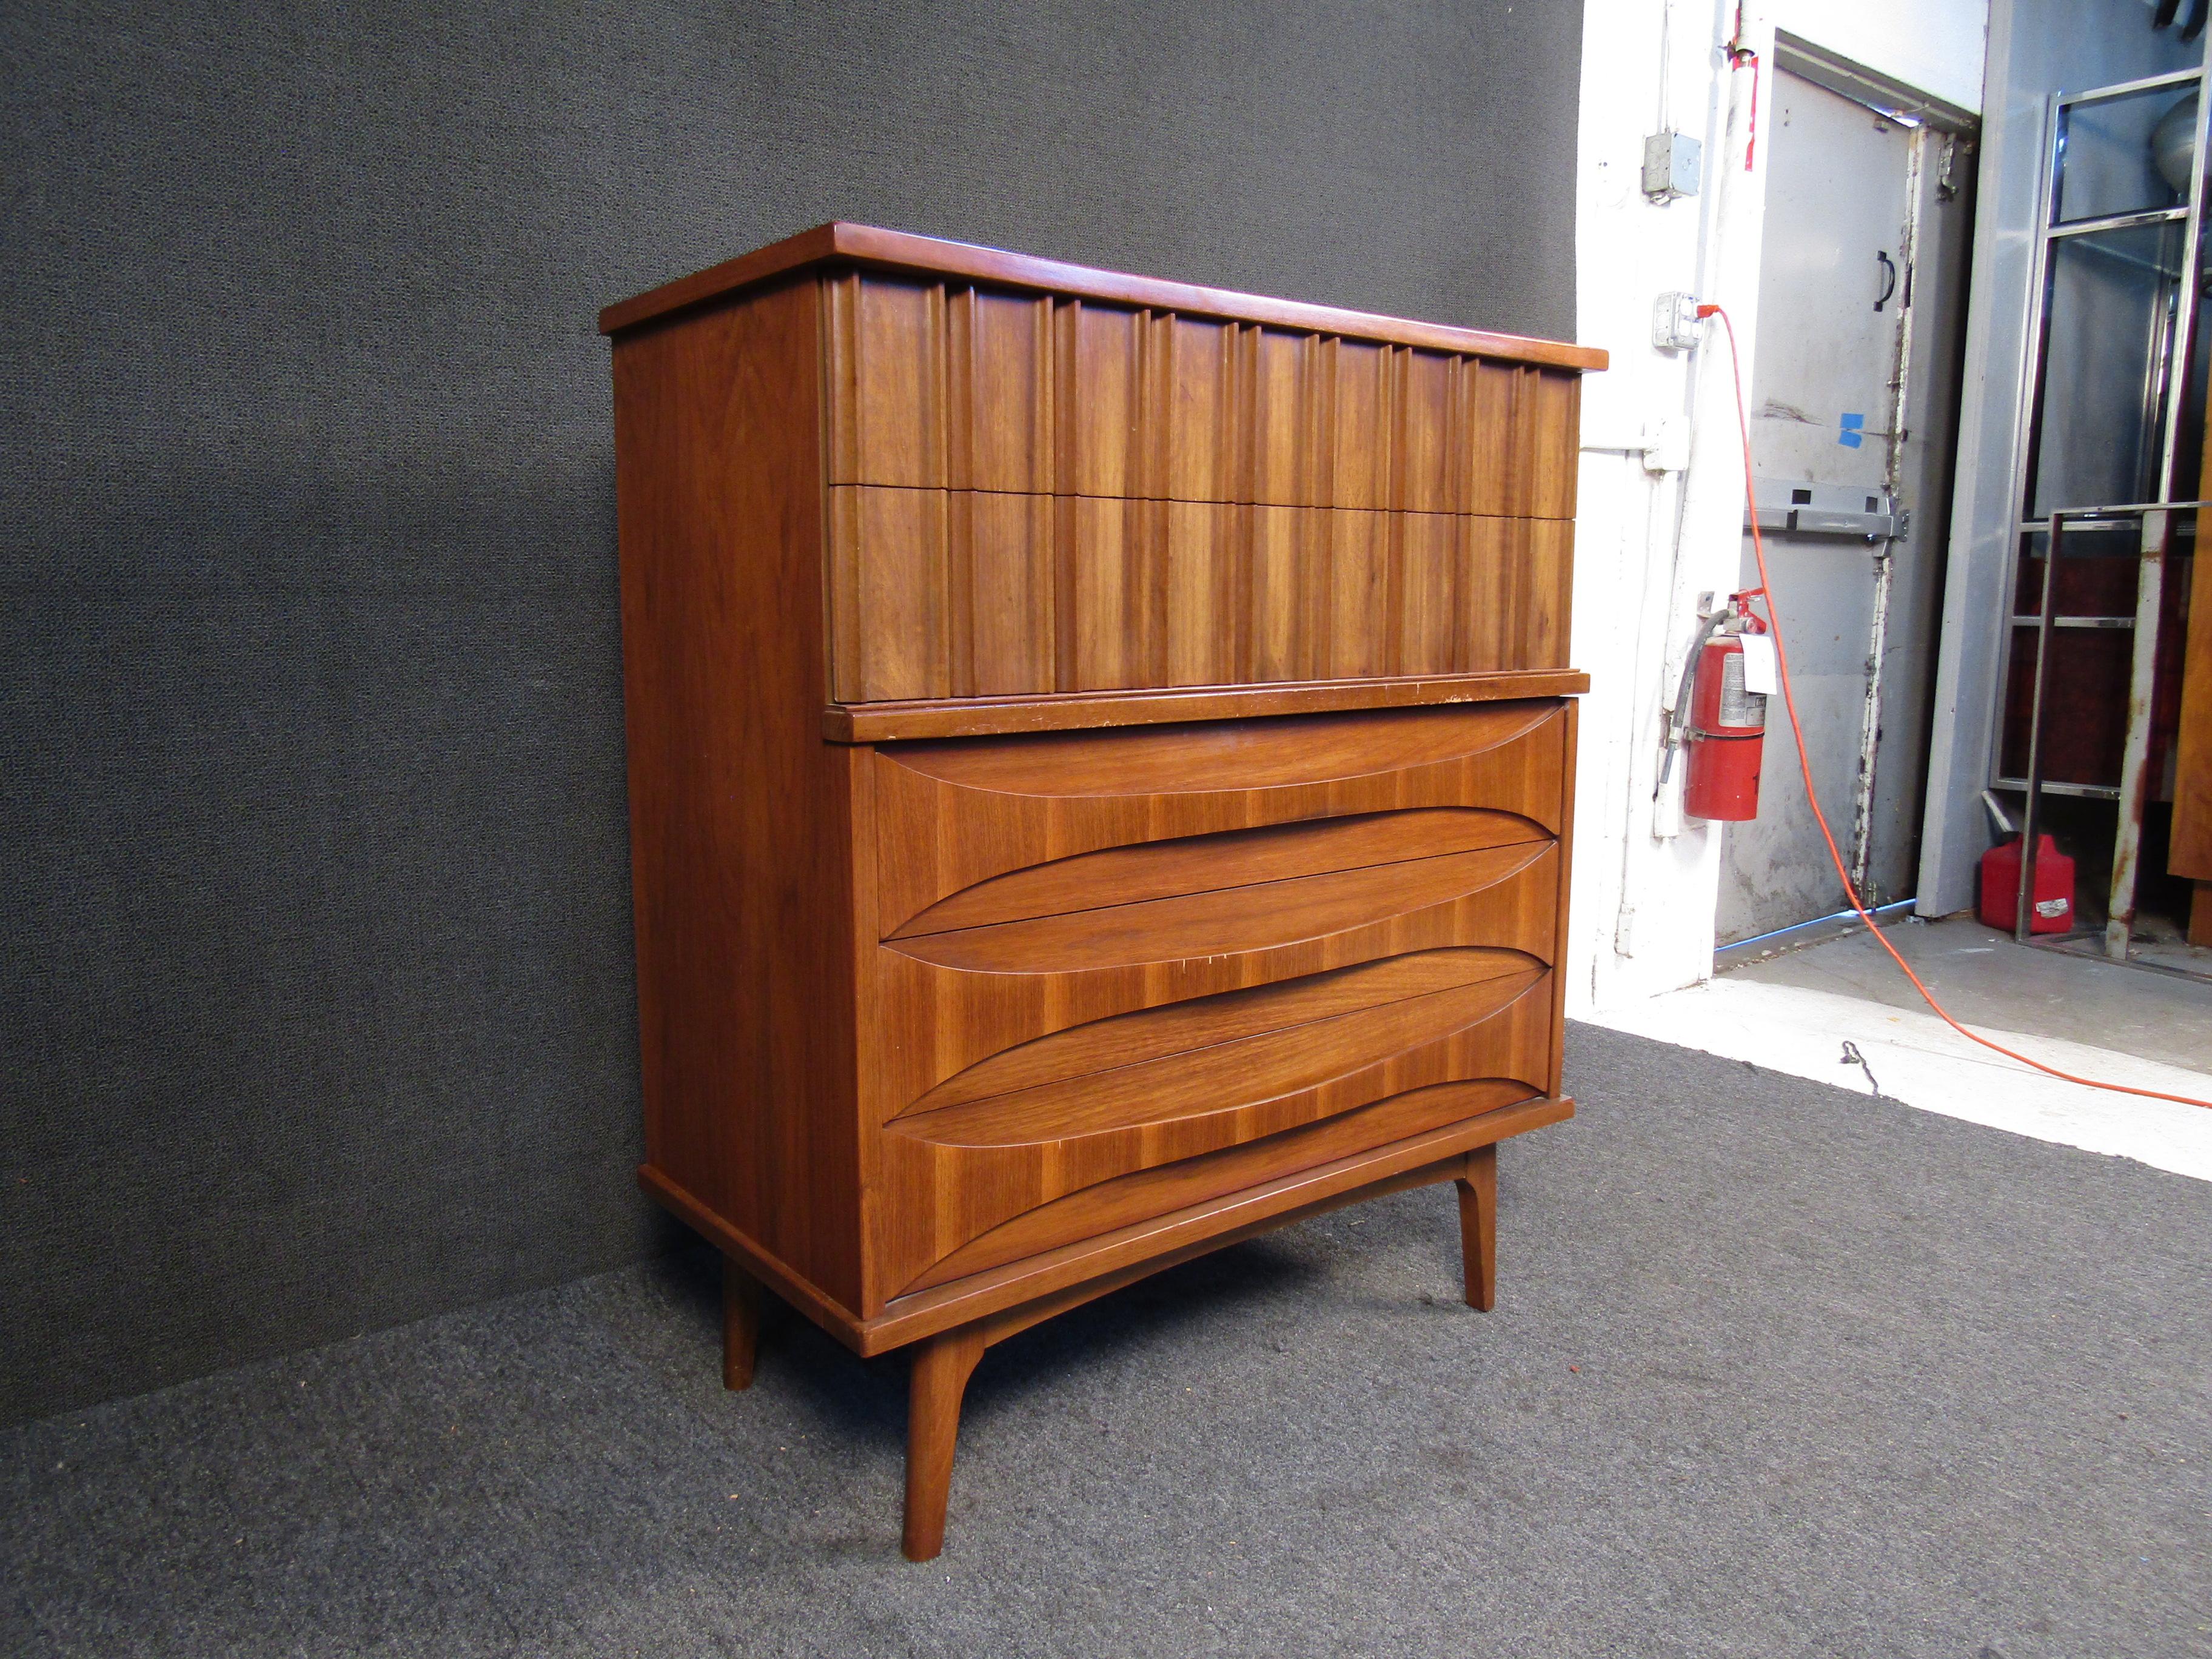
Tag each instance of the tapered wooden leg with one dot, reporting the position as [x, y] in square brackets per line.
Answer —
[741, 1309]
[1478, 1226]
[941, 1368]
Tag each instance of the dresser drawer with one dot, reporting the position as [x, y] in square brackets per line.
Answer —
[1122, 971]
[969, 593]
[955, 814]
[946, 385]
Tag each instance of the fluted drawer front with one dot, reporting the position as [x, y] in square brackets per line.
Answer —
[962, 593]
[1208, 949]
[941, 384]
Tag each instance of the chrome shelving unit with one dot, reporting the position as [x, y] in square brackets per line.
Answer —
[2166, 376]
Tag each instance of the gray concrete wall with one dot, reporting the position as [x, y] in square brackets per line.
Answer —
[317, 1004]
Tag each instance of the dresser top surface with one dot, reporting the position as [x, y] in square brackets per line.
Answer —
[866, 246]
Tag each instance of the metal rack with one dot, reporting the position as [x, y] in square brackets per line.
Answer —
[2033, 784]
[2165, 377]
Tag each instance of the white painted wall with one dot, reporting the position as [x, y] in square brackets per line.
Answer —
[1932, 45]
[1645, 884]
[1644, 887]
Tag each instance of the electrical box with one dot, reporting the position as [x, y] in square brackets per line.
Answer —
[1675, 326]
[1670, 166]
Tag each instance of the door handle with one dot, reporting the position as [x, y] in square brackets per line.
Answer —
[1888, 279]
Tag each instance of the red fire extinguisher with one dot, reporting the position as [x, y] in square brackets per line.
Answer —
[1727, 733]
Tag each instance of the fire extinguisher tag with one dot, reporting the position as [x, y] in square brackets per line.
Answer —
[1739, 709]
[1761, 678]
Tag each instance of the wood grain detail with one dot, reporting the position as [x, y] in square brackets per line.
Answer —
[1478, 1228]
[961, 593]
[1152, 1034]
[1031, 1287]
[953, 815]
[1145, 1193]
[939, 383]
[1372, 1095]
[941, 1017]
[1222, 920]
[1234, 858]
[1313, 1092]
[1216, 1076]
[2188, 852]
[1226, 759]
[746, 1033]
[973, 717]
[1148, 997]
[842, 245]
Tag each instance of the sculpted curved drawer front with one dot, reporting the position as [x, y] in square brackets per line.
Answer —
[951, 815]
[1120, 972]
[984, 1182]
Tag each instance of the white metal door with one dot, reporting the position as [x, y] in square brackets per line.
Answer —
[1850, 194]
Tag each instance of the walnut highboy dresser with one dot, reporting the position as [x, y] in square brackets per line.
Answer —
[1101, 762]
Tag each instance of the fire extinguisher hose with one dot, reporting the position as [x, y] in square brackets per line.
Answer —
[1765, 591]
[1678, 723]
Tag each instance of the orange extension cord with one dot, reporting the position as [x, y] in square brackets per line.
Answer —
[1765, 591]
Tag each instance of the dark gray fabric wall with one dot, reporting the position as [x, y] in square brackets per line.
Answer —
[318, 1007]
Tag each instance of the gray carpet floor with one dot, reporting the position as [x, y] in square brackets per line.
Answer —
[1775, 1370]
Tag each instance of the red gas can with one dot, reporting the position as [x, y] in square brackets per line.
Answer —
[2053, 909]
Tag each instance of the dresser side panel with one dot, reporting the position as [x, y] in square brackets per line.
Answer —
[740, 814]
[1562, 934]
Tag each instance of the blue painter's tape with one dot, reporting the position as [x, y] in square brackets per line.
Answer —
[1854, 431]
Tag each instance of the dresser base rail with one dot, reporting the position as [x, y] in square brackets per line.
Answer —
[946, 1357]
[1159, 1240]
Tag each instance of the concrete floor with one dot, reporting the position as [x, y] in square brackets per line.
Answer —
[1989, 980]
[1835, 1010]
